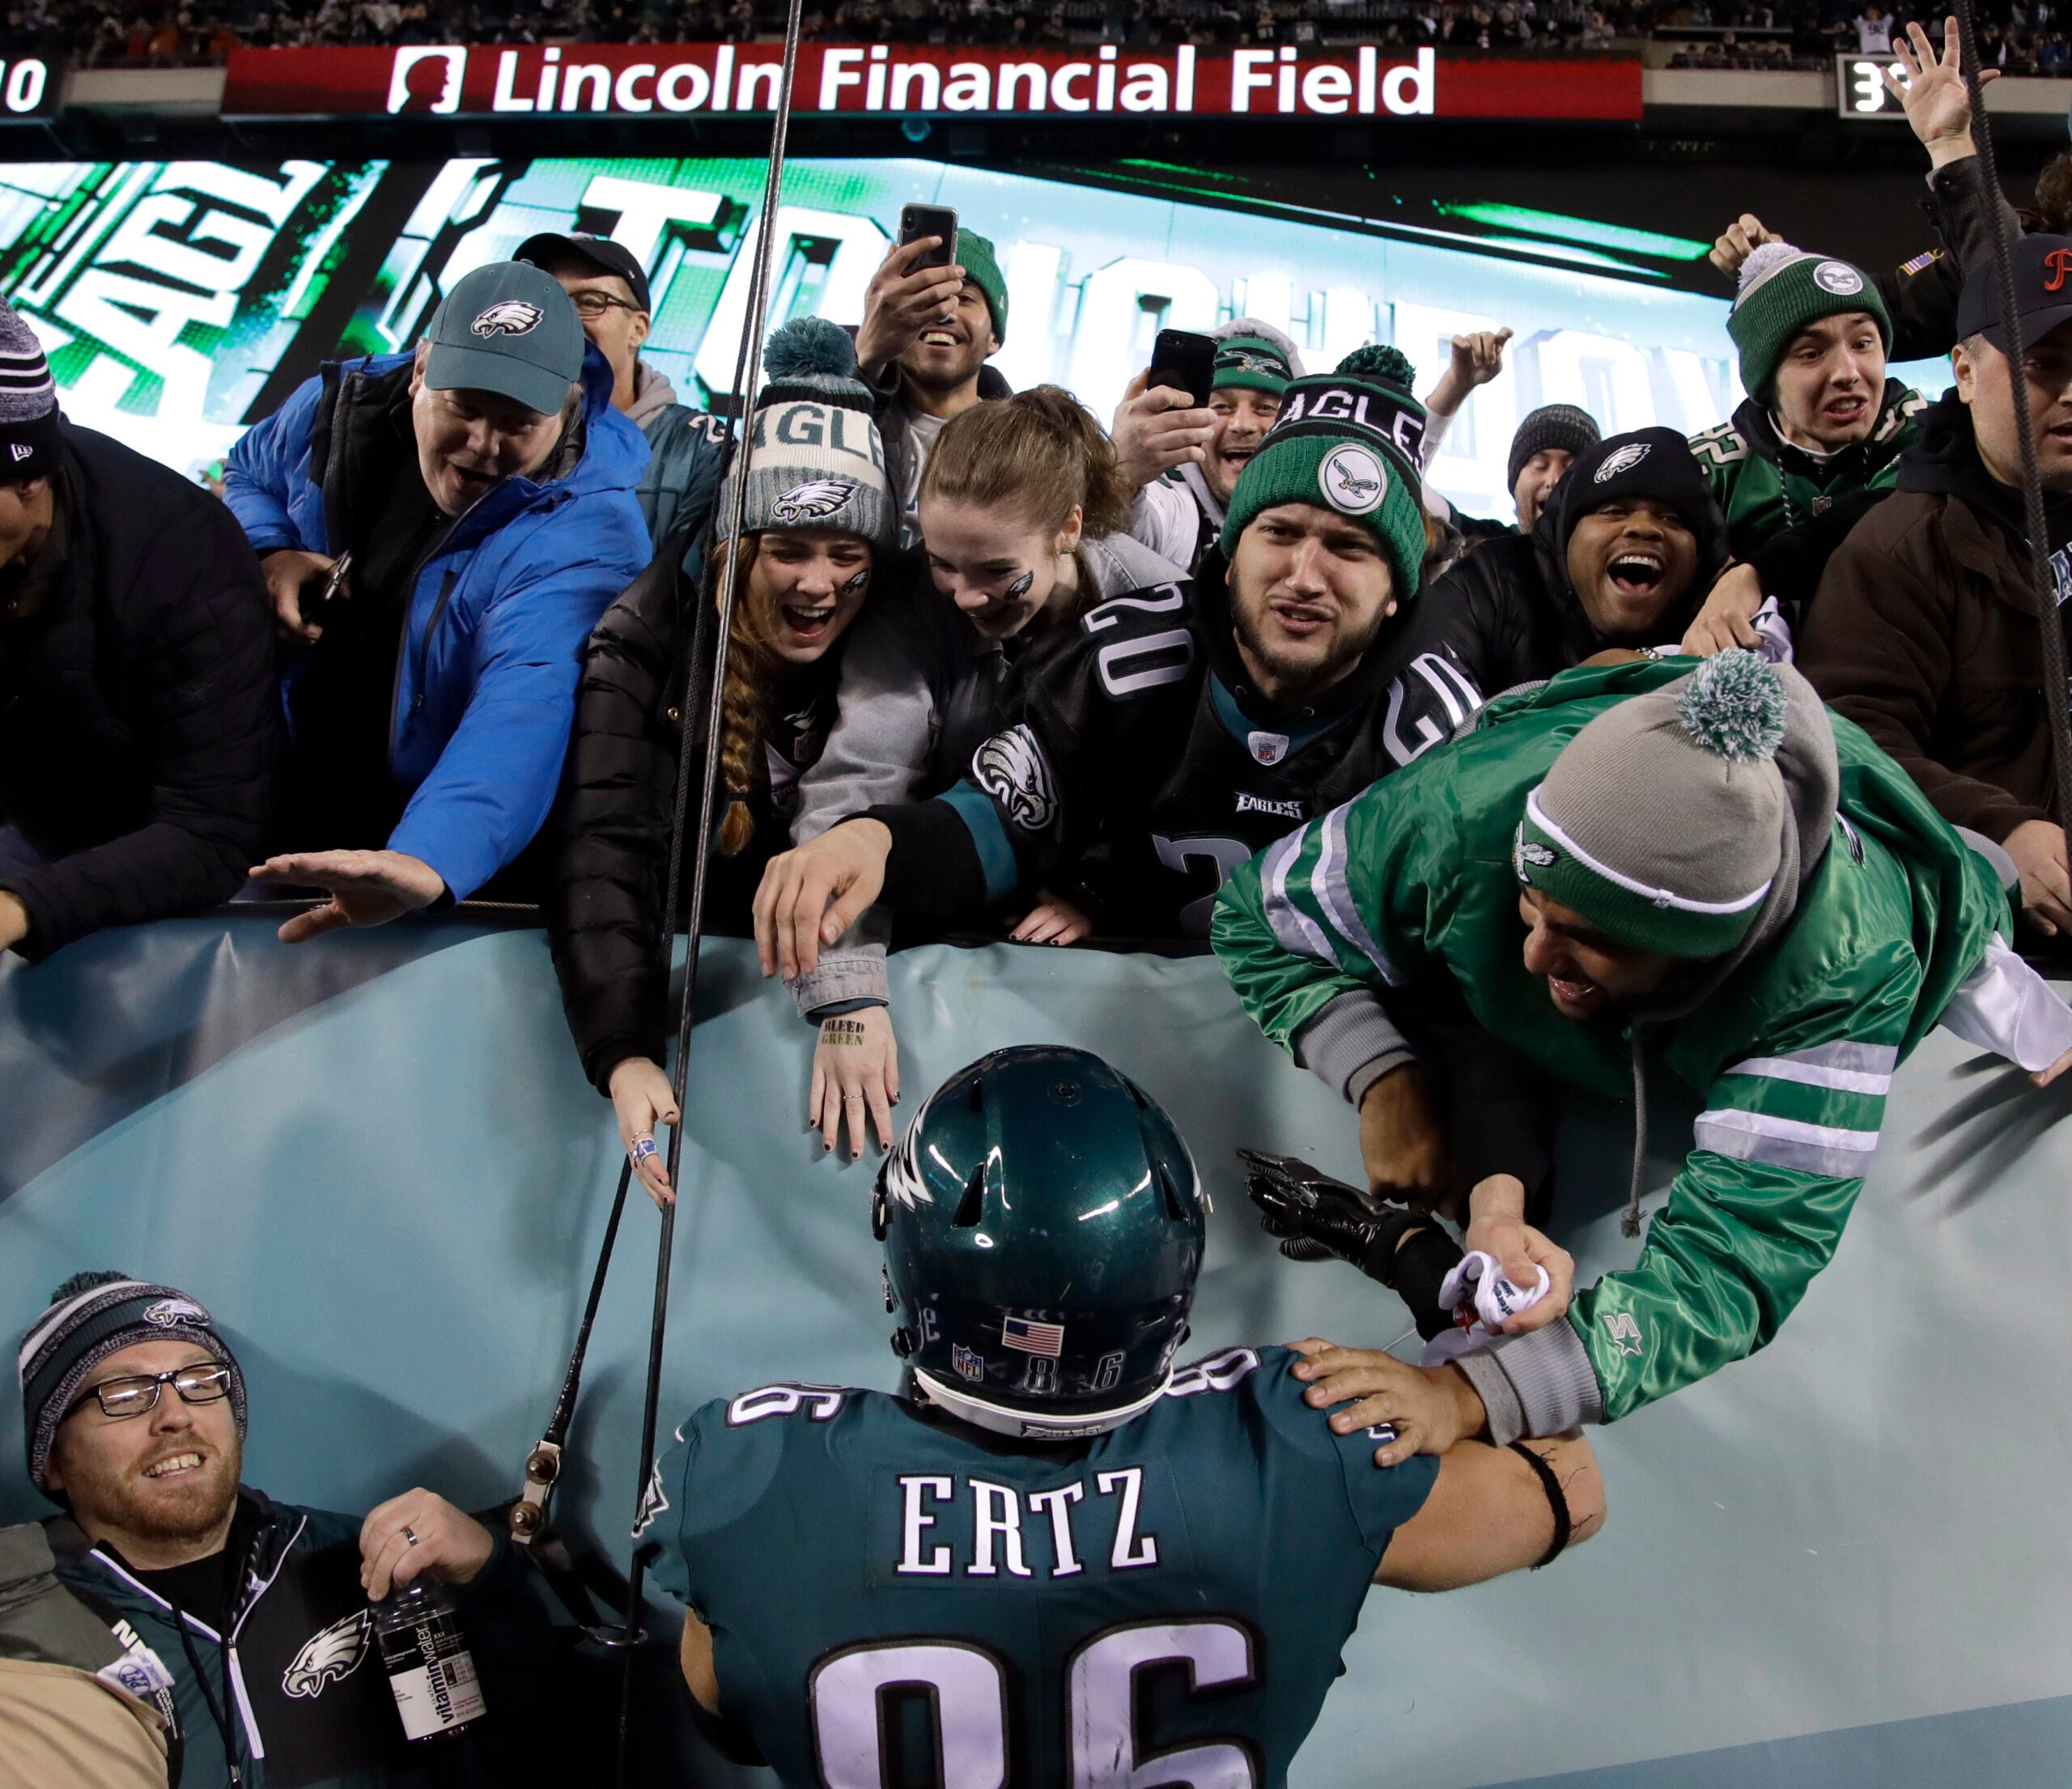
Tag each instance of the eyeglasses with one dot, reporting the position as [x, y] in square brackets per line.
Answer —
[119, 1398]
[593, 305]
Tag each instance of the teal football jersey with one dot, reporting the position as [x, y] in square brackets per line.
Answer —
[898, 1601]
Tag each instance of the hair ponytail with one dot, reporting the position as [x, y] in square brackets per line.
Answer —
[1040, 453]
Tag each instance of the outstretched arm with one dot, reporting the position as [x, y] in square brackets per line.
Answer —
[1490, 1512]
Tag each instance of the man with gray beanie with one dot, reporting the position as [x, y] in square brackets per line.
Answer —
[140, 736]
[462, 513]
[1628, 872]
[1550, 440]
[1185, 462]
[246, 1622]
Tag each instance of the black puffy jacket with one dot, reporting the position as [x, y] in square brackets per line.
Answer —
[1508, 613]
[618, 803]
[140, 723]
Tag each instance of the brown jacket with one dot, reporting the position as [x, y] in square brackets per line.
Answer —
[1923, 631]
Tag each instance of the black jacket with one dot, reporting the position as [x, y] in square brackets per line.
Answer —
[140, 727]
[1507, 613]
[618, 803]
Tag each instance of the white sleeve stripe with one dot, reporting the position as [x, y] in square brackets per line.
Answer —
[1813, 1074]
[1787, 1142]
[1334, 894]
[1877, 1059]
[1292, 930]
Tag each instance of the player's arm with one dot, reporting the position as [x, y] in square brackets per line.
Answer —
[1491, 1511]
[695, 1653]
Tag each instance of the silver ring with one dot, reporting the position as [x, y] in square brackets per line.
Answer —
[409, 1535]
[852, 1099]
[642, 1148]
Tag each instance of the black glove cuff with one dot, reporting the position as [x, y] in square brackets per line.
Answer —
[1416, 1270]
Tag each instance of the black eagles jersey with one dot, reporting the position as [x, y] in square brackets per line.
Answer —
[1146, 769]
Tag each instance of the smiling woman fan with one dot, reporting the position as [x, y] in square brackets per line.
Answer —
[817, 517]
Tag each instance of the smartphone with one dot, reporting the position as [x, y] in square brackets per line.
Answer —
[320, 589]
[1185, 362]
[917, 221]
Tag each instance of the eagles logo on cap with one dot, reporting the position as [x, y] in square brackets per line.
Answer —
[810, 501]
[1837, 277]
[169, 1312]
[1244, 361]
[1621, 459]
[1353, 480]
[510, 316]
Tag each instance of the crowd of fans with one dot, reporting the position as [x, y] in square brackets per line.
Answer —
[1208, 671]
[2017, 38]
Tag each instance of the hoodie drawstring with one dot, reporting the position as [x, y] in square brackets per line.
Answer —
[1629, 1221]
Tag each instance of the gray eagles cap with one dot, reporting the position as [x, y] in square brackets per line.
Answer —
[509, 329]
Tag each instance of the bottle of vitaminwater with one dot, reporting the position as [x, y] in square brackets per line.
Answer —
[430, 1670]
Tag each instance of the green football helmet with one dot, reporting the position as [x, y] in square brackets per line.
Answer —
[1043, 1224]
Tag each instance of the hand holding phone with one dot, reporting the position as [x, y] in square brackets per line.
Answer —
[917, 222]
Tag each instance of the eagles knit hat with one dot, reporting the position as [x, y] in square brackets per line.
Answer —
[1782, 290]
[1660, 822]
[28, 403]
[1348, 441]
[1645, 462]
[91, 1316]
[1254, 356]
[975, 255]
[1550, 426]
[509, 329]
[814, 457]
[602, 253]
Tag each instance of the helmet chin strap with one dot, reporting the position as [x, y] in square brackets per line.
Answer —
[1027, 1424]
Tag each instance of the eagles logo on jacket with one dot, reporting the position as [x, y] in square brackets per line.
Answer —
[1146, 768]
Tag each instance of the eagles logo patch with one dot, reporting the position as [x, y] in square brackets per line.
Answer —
[1352, 480]
[330, 1655]
[1624, 460]
[167, 1313]
[1526, 851]
[1838, 278]
[512, 317]
[809, 502]
[1011, 767]
[1242, 360]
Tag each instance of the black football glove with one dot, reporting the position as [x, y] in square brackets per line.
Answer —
[1319, 1218]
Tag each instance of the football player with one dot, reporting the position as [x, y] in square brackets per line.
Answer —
[1058, 1560]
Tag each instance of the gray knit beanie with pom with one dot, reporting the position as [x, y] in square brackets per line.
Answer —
[1660, 822]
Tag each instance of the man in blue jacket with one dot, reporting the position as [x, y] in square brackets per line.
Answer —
[440, 530]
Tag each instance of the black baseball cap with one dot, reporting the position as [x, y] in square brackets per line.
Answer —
[601, 252]
[2043, 293]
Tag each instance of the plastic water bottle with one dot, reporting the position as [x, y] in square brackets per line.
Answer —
[431, 1673]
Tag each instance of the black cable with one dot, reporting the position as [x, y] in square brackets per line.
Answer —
[2056, 693]
[564, 1408]
[697, 829]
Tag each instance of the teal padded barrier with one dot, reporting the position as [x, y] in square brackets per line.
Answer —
[375, 1157]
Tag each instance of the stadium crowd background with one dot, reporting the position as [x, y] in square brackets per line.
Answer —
[1710, 34]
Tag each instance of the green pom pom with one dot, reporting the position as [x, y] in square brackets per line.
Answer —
[1387, 365]
[86, 1282]
[809, 347]
[1734, 705]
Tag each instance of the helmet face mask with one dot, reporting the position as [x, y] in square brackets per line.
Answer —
[1043, 1227]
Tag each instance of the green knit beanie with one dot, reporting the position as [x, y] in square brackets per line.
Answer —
[1782, 290]
[1254, 356]
[1348, 441]
[975, 255]
[1661, 821]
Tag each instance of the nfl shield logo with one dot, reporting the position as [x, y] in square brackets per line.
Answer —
[1269, 748]
[967, 1362]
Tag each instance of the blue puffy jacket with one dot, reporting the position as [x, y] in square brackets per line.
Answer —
[493, 648]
